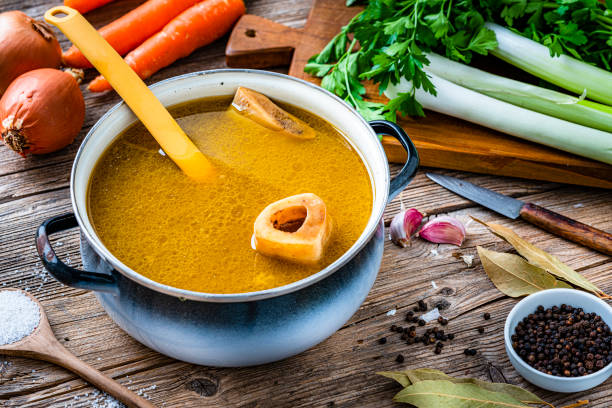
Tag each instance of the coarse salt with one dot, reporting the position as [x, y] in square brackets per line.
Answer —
[433, 314]
[19, 316]
[106, 401]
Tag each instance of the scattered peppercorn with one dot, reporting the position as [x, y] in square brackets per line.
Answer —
[563, 341]
[429, 337]
[480, 329]
[470, 352]
[487, 316]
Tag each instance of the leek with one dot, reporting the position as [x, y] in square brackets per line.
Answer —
[538, 99]
[460, 102]
[563, 71]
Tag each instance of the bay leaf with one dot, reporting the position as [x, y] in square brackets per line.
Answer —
[441, 393]
[514, 276]
[542, 259]
[398, 376]
[408, 377]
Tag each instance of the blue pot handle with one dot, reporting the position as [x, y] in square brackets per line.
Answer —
[412, 164]
[62, 272]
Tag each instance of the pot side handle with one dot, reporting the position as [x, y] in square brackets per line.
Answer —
[406, 174]
[65, 274]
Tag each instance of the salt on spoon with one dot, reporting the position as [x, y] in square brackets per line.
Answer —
[25, 332]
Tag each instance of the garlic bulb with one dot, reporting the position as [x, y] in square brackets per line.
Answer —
[403, 225]
[443, 230]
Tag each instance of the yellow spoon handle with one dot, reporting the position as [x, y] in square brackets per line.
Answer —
[133, 90]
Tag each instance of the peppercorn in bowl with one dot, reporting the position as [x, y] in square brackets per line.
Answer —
[560, 339]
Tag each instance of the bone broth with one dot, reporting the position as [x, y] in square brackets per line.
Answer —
[198, 236]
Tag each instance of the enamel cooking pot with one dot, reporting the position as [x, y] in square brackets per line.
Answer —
[244, 328]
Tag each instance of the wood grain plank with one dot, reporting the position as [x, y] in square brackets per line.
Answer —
[340, 372]
[405, 277]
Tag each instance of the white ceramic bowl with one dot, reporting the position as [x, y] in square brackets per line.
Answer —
[549, 298]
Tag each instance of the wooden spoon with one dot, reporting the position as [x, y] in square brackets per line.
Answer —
[41, 344]
[133, 90]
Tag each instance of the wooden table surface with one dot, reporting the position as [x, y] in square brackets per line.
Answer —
[340, 372]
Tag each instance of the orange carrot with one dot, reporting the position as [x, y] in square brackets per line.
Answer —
[83, 6]
[130, 30]
[195, 27]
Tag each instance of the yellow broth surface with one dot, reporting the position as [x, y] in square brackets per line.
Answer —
[198, 236]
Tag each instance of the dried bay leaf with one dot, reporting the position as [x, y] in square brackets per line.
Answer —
[441, 393]
[542, 259]
[408, 377]
[398, 376]
[514, 276]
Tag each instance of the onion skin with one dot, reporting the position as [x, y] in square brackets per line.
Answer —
[41, 112]
[25, 44]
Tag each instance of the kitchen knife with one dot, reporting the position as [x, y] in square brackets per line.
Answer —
[548, 220]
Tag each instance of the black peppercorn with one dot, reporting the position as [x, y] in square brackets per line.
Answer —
[450, 336]
[421, 322]
[399, 358]
[481, 329]
[470, 352]
[437, 350]
[382, 340]
[487, 316]
[563, 341]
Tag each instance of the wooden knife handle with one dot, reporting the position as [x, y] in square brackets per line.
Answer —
[256, 42]
[567, 228]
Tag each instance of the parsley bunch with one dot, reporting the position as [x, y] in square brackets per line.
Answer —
[388, 40]
[580, 28]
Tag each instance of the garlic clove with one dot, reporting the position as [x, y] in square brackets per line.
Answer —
[443, 230]
[404, 225]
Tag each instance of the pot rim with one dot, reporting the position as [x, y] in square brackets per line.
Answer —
[364, 238]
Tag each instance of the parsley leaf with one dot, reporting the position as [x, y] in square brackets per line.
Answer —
[394, 36]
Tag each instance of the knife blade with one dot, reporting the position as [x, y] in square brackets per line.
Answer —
[512, 208]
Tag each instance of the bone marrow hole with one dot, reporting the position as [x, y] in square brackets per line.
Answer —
[289, 219]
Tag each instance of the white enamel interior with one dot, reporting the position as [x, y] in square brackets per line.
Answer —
[224, 82]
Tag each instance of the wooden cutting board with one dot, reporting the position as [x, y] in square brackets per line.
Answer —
[442, 141]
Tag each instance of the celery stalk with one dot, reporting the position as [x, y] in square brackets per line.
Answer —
[463, 103]
[563, 71]
[532, 97]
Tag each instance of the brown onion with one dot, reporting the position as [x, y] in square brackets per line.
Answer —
[41, 111]
[25, 44]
